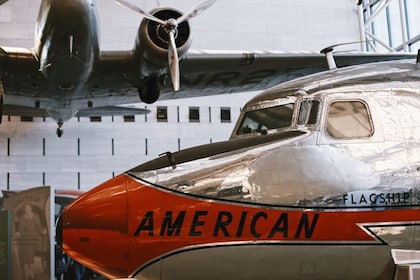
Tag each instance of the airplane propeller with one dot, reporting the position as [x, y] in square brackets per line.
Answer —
[170, 26]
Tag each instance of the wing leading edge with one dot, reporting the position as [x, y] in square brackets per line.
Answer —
[211, 73]
[221, 72]
[113, 81]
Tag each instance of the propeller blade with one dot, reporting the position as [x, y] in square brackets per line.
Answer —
[170, 27]
[196, 10]
[140, 11]
[173, 60]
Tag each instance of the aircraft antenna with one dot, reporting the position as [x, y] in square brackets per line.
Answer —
[328, 51]
[170, 158]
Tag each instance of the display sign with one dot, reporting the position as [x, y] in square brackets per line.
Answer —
[31, 236]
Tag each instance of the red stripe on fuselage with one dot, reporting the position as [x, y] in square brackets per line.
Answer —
[124, 224]
[161, 221]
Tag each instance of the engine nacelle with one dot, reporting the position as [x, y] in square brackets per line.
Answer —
[151, 47]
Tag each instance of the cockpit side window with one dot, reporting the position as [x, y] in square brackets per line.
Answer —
[308, 112]
[349, 120]
[262, 120]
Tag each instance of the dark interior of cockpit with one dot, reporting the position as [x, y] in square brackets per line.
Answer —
[265, 119]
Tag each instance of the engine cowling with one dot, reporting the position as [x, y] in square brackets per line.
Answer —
[151, 46]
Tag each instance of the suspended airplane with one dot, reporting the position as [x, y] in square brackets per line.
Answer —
[65, 74]
[320, 179]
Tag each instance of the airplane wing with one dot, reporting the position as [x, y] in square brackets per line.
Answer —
[222, 72]
[20, 83]
[209, 73]
[24, 111]
[113, 81]
[20, 76]
[23, 83]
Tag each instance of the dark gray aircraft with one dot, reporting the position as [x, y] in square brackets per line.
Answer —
[65, 74]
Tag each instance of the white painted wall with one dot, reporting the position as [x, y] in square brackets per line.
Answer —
[89, 153]
[228, 24]
[32, 155]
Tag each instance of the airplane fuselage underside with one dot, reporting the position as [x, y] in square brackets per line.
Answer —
[67, 47]
[275, 261]
[67, 42]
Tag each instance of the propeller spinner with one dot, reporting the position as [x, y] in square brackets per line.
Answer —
[170, 26]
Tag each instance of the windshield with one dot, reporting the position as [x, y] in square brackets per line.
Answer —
[262, 120]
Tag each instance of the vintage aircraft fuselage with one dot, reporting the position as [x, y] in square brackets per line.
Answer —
[319, 180]
[67, 42]
[66, 74]
[67, 49]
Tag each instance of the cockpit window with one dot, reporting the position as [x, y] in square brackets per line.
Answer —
[262, 120]
[308, 112]
[349, 119]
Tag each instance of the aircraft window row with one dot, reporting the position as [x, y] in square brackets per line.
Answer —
[161, 115]
[349, 119]
[265, 119]
[127, 118]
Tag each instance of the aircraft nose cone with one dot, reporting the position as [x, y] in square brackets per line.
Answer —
[95, 229]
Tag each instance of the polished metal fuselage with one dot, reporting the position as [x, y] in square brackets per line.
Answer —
[315, 168]
[319, 180]
[375, 169]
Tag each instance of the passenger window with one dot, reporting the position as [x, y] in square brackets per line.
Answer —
[349, 119]
[308, 112]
